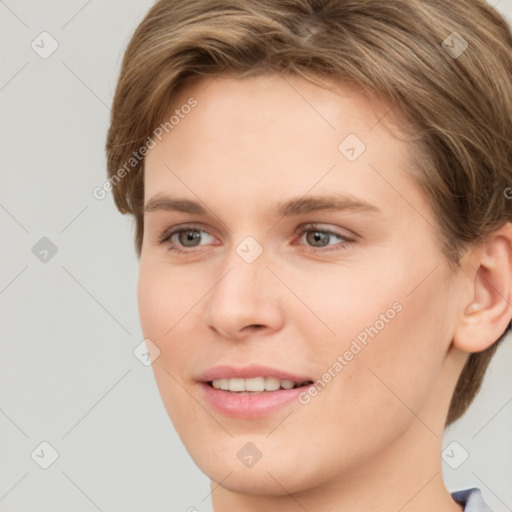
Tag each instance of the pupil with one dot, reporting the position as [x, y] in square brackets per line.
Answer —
[317, 236]
[189, 236]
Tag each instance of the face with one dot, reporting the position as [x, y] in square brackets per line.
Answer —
[284, 238]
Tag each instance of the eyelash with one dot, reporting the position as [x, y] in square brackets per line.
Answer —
[345, 241]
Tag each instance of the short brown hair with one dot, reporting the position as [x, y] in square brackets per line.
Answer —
[410, 53]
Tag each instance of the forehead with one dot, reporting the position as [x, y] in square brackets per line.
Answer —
[279, 133]
[263, 101]
[238, 108]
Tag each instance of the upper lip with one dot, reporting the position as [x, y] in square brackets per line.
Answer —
[246, 372]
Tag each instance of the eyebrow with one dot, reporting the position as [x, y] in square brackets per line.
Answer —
[294, 206]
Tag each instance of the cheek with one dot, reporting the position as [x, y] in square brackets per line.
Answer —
[166, 303]
[396, 341]
[164, 297]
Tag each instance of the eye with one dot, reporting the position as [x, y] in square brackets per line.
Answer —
[317, 238]
[183, 236]
[180, 238]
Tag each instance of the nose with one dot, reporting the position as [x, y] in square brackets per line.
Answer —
[246, 299]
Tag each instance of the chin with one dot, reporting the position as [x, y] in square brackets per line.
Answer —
[259, 480]
[280, 470]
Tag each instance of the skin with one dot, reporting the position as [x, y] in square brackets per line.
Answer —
[371, 439]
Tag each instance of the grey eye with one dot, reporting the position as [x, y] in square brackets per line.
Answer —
[318, 238]
[189, 237]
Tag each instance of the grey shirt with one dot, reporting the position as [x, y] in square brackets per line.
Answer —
[472, 500]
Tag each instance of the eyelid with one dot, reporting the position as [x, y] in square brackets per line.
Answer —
[168, 233]
[320, 226]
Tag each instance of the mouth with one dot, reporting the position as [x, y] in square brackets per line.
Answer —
[256, 385]
[254, 391]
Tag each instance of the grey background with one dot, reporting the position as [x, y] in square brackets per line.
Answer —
[69, 325]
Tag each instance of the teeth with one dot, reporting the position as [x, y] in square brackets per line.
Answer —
[271, 383]
[254, 384]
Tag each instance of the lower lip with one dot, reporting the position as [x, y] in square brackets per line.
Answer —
[255, 405]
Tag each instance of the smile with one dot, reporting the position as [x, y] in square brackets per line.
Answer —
[255, 384]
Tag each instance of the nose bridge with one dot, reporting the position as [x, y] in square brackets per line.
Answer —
[245, 294]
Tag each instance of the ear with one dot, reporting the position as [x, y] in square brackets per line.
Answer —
[486, 316]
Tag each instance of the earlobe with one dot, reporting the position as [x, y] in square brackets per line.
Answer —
[488, 313]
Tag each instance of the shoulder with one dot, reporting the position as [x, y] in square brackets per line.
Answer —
[471, 499]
